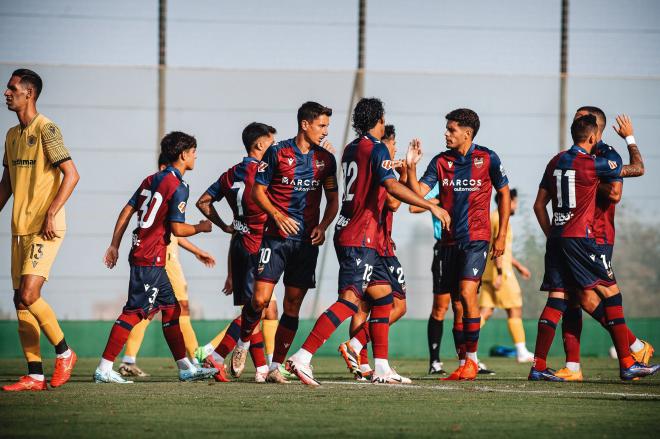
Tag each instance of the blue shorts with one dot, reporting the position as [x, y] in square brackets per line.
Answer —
[394, 275]
[456, 262]
[149, 290]
[576, 263]
[360, 267]
[243, 269]
[296, 259]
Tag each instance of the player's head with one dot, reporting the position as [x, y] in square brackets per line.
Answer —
[369, 116]
[258, 137]
[389, 139]
[514, 199]
[313, 121]
[462, 127]
[23, 89]
[584, 131]
[179, 148]
[162, 161]
[601, 120]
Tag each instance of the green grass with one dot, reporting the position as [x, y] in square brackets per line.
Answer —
[505, 405]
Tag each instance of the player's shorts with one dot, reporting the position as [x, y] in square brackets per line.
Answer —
[32, 254]
[295, 259]
[177, 279]
[359, 268]
[508, 296]
[149, 289]
[456, 262]
[243, 269]
[572, 263]
[394, 275]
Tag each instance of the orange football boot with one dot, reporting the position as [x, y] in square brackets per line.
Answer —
[455, 375]
[63, 369]
[470, 370]
[26, 383]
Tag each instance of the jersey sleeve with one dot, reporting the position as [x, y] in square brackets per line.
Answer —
[430, 177]
[218, 190]
[606, 168]
[330, 181]
[134, 199]
[615, 157]
[53, 144]
[547, 179]
[381, 164]
[266, 167]
[497, 174]
[177, 204]
[433, 193]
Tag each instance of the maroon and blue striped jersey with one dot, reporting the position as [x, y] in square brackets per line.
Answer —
[465, 184]
[366, 164]
[235, 186]
[572, 178]
[160, 200]
[605, 209]
[387, 246]
[295, 182]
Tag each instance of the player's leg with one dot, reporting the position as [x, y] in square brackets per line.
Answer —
[487, 301]
[258, 355]
[187, 330]
[471, 325]
[128, 366]
[571, 329]
[517, 331]
[354, 351]
[434, 330]
[269, 328]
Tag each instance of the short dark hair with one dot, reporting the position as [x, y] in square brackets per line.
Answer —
[513, 192]
[309, 111]
[30, 79]
[253, 131]
[367, 113]
[600, 114]
[465, 118]
[174, 143]
[389, 132]
[162, 160]
[583, 127]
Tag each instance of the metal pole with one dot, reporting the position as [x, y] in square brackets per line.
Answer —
[356, 94]
[162, 52]
[563, 74]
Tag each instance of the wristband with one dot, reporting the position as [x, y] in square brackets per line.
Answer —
[630, 140]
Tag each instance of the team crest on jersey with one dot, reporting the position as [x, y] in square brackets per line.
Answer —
[260, 268]
[479, 162]
[320, 164]
[32, 140]
[450, 164]
[182, 206]
[612, 164]
[262, 166]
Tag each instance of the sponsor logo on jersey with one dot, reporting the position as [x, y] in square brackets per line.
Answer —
[32, 140]
[182, 207]
[559, 218]
[612, 164]
[464, 184]
[241, 227]
[342, 221]
[21, 163]
[479, 162]
[262, 166]
[302, 184]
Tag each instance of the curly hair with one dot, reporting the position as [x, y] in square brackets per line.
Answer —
[390, 132]
[465, 118]
[174, 143]
[366, 115]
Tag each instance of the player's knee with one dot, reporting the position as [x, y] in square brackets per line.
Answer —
[28, 295]
[185, 307]
[17, 300]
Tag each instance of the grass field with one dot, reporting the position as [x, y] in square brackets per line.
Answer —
[504, 405]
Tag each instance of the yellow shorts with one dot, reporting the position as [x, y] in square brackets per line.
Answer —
[177, 279]
[31, 254]
[508, 296]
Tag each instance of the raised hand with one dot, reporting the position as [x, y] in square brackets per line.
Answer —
[414, 154]
[625, 127]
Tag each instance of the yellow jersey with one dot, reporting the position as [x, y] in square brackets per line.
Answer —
[172, 250]
[507, 257]
[32, 156]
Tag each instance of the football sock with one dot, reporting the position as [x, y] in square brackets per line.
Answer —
[118, 336]
[303, 355]
[28, 333]
[327, 323]
[135, 340]
[36, 370]
[381, 365]
[599, 315]
[459, 338]
[105, 365]
[230, 339]
[273, 365]
[249, 320]
[471, 331]
[517, 330]
[547, 326]
[571, 329]
[434, 330]
[269, 328]
[472, 356]
[364, 367]
[637, 345]
[127, 359]
[45, 315]
[521, 349]
[185, 363]
[618, 329]
[573, 366]
[189, 337]
[360, 339]
[379, 326]
[364, 357]
[172, 332]
[218, 338]
[257, 350]
[286, 332]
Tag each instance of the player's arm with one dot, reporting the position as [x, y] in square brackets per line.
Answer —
[625, 130]
[287, 224]
[205, 205]
[330, 189]
[504, 212]
[405, 194]
[432, 196]
[524, 271]
[392, 203]
[494, 231]
[229, 284]
[542, 199]
[5, 188]
[611, 191]
[176, 215]
[204, 257]
[183, 230]
[413, 156]
[112, 253]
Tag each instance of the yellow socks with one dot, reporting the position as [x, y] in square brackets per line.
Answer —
[135, 339]
[45, 315]
[189, 337]
[269, 330]
[516, 329]
[28, 333]
[218, 338]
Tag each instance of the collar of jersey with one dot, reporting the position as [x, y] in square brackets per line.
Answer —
[36, 116]
[175, 171]
[249, 159]
[462, 157]
[579, 149]
[372, 138]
